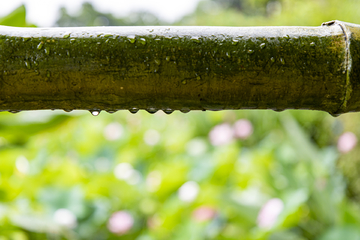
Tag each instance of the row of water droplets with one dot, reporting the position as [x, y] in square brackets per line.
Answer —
[131, 110]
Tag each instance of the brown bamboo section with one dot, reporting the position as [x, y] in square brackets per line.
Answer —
[181, 68]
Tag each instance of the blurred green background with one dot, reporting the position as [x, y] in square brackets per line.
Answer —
[291, 175]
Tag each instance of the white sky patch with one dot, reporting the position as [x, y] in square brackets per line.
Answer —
[44, 13]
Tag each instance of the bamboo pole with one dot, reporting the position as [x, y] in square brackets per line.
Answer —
[181, 68]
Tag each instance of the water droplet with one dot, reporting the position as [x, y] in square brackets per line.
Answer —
[142, 41]
[95, 112]
[168, 111]
[151, 110]
[66, 35]
[5, 73]
[185, 110]
[250, 51]
[263, 45]
[157, 61]
[25, 39]
[344, 71]
[278, 109]
[67, 110]
[272, 59]
[68, 53]
[167, 58]
[40, 45]
[235, 41]
[131, 38]
[228, 55]
[27, 64]
[312, 44]
[72, 40]
[335, 114]
[47, 51]
[183, 82]
[111, 111]
[282, 61]
[198, 78]
[195, 39]
[108, 35]
[14, 111]
[133, 110]
[48, 74]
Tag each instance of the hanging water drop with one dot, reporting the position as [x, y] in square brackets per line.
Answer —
[72, 40]
[183, 82]
[282, 61]
[133, 110]
[167, 58]
[250, 51]
[263, 45]
[66, 35]
[272, 59]
[151, 110]
[235, 41]
[67, 110]
[168, 111]
[94, 112]
[14, 111]
[278, 109]
[185, 110]
[312, 44]
[111, 111]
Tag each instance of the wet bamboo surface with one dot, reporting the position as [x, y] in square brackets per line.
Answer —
[181, 68]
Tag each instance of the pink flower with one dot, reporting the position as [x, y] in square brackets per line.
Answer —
[120, 222]
[243, 128]
[346, 142]
[204, 213]
[221, 134]
[269, 213]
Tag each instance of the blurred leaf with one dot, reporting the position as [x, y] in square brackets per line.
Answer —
[347, 232]
[16, 18]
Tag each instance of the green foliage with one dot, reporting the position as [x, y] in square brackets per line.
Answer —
[16, 18]
[89, 16]
[272, 13]
[63, 175]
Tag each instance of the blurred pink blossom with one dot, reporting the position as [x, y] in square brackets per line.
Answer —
[221, 134]
[243, 128]
[204, 213]
[120, 222]
[269, 213]
[346, 142]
